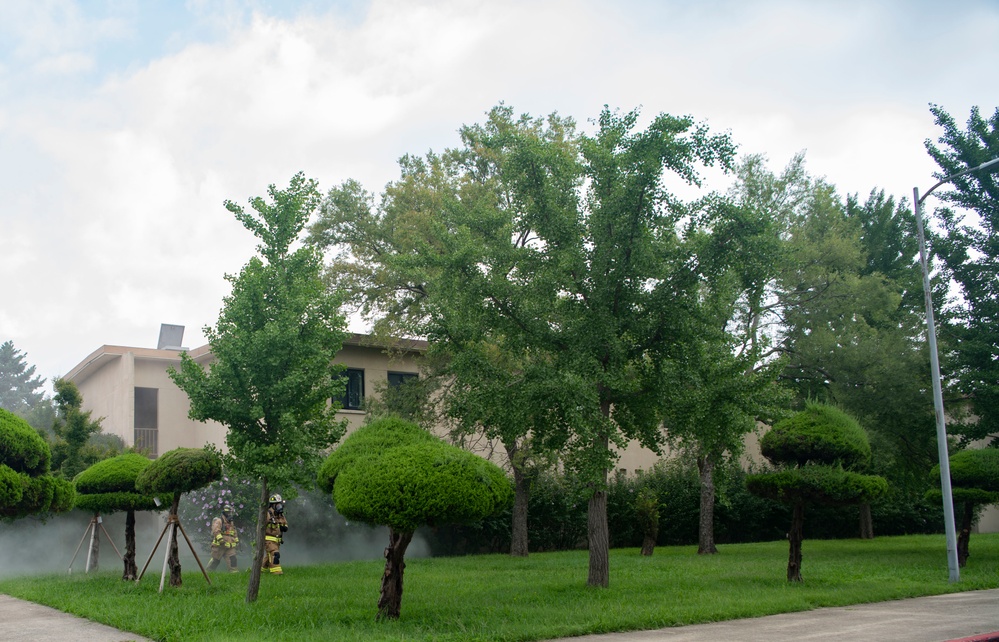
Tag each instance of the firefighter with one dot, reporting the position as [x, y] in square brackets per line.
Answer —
[224, 540]
[273, 534]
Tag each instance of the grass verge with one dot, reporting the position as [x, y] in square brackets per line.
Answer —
[496, 597]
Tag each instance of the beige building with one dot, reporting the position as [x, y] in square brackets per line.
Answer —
[131, 390]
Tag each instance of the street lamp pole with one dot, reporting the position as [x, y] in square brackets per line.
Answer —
[945, 487]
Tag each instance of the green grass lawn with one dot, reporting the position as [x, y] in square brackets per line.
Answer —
[496, 597]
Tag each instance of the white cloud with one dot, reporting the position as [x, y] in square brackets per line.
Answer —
[115, 195]
[68, 63]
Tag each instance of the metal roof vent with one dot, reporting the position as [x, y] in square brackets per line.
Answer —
[171, 337]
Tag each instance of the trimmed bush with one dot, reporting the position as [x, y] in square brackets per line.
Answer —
[974, 467]
[25, 487]
[393, 473]
[109, 485]
[21, 448]
[367, 442]
[820, 433]
[63, 496]
[413, 484]
[179, 471]
[974, 475]
[815, 446]
[11, 486]
[817, 484]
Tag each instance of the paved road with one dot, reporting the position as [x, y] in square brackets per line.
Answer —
[971, 617]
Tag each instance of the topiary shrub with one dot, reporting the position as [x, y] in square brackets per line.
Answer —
[179, 471]
[392, 473]
[821, 434]
[176, 472]
[21, 448]
[814, 448]
[974, 475]
[108, 487]
[26, 488]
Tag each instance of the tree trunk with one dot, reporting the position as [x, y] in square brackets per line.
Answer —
[253, 586]
[390, 602]
[866, 522]
[597, 531]
[706, 525]
[648, 544]
[521, 499]
[131, 571]
[598, 537]
[794, 537]
[964, 536]
[95, 545]
[173, 560]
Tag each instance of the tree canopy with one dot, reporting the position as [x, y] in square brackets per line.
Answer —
[179, 471]
[564, 250]
[73, 429]
[393, 473]
[18, 383]
[970, 254]
[843, 306]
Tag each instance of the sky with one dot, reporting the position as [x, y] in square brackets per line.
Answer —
[125, 124]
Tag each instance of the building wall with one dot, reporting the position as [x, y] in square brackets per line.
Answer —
[107, 379]
[376, 365]
[107, 394]
[175, 428]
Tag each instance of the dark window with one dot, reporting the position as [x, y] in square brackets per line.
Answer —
[353, 394]
[399, 378]
[147, 419]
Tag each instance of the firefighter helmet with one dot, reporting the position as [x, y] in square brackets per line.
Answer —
[228, 510]
[276, 499]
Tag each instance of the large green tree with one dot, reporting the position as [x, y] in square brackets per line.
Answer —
[272, 378]
[19, 387]
[565, 249]
[969, 248]
[394, 261]
[721, 379]
[73, 428]
[887, 387]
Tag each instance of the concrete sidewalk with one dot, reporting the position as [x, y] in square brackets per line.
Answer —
[970, 617]
[30, 622]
